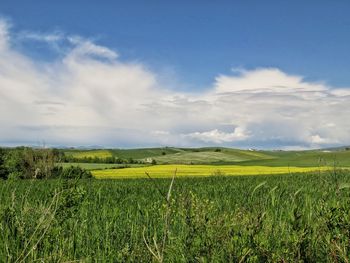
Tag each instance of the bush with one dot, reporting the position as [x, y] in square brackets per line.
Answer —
[3, 170]
[28, 163]
[75, 172]
[15, 176]
[14, 163]
[56, 171]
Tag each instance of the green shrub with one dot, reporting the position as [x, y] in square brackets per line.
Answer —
[75, 172]
[14, 176]
[3, 170]
[28, 163]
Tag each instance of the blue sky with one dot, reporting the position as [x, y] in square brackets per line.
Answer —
[196, 40]
[266, 74]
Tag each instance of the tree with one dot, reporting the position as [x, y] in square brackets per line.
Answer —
[27, 163]
[75, 172]
[3, 170]
[43, 162]
[13, 163]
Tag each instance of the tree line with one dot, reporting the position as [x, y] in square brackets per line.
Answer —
[30, 163]
[66, 158]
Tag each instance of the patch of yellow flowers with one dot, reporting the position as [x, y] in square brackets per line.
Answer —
[167, 171]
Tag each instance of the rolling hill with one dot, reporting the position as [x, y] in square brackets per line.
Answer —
[220, 155]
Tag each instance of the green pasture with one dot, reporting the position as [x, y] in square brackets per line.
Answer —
[219, 156]
[99, 166]
[265, 218]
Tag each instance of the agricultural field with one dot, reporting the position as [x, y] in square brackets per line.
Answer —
[212, 161]
[228, 205]
[218, 156]
[139, 154]
[164, 171]
[99, 166]
[305, 158]
[274, 218]
[89, 154]
[210, 156]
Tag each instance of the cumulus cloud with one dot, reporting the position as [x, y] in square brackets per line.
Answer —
[4, 36]
[89, 97]
[216, 136]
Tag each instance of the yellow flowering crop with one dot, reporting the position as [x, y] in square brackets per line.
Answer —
[164, 171]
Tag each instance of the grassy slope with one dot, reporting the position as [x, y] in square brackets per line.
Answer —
[88, 153]
[143, 152]
[122, 153]
[209, 155]
[304, 159]
[169, 155]
[99, 166]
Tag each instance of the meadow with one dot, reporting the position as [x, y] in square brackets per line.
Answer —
[220, 156]
[223, 205]
[99, 166]
[274, 218]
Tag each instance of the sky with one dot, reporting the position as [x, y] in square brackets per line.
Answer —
[246, 74]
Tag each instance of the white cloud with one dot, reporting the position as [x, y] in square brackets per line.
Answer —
[317, 139]
[265, 79]
[44, 37]
[216, 136]
[84, 47]
[4, 34]
[90, 97]
[160, 133]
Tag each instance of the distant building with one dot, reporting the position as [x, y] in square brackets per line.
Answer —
[148, 160]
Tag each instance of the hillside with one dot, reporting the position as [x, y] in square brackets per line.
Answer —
[219, 155]
[211, 155]
[304, 158]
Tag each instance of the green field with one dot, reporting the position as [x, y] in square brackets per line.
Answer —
[218, 156]
[164, 171]
[212, 161]
[99, 166]
[121, 153]
[205, 156]
[305, 158]
[89, 154]
[224, 205]
[285, 218]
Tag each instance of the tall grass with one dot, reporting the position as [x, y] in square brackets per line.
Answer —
[284, 218]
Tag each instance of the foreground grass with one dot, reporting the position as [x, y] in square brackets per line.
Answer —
[289, 218]
[166, 171]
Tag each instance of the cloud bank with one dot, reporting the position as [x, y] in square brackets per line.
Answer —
[88, 96]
